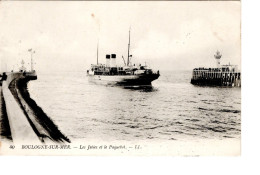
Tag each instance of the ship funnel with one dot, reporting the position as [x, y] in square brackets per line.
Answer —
[113, 60]
[217, 57]
[108, 60]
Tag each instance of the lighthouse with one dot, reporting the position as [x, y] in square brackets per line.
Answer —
[22, 68]
[217, 57]
[32, 52]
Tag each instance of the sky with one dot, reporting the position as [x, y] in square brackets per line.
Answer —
[166, 35]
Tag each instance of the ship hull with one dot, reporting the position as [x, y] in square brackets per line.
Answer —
[123, 80]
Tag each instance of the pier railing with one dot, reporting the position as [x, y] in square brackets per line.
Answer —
[216, 76]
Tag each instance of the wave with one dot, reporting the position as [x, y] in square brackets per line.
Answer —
[229, 110]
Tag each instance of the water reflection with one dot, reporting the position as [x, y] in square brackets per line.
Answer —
[147, 88]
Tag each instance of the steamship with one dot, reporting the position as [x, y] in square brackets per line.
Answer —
[127, 75]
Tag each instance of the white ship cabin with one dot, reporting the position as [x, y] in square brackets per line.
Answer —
[110, 68]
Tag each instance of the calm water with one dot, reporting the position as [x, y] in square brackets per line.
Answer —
[172, 110]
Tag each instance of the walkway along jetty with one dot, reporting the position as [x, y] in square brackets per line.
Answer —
[25, 121]
[222, 75]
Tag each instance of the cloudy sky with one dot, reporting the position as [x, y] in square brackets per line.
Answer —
[166, 35]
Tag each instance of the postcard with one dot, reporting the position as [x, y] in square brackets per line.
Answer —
[113, 78]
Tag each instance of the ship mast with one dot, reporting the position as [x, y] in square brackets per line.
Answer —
[128, 49]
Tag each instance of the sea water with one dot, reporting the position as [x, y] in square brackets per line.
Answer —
[173, 109]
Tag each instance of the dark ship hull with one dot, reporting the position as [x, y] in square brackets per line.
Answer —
[124, 80]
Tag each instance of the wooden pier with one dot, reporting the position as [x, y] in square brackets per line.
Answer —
[216, 77]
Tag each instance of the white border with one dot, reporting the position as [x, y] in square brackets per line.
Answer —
[248, 163]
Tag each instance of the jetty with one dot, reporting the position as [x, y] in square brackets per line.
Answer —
[222, 75]
[21, 119]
